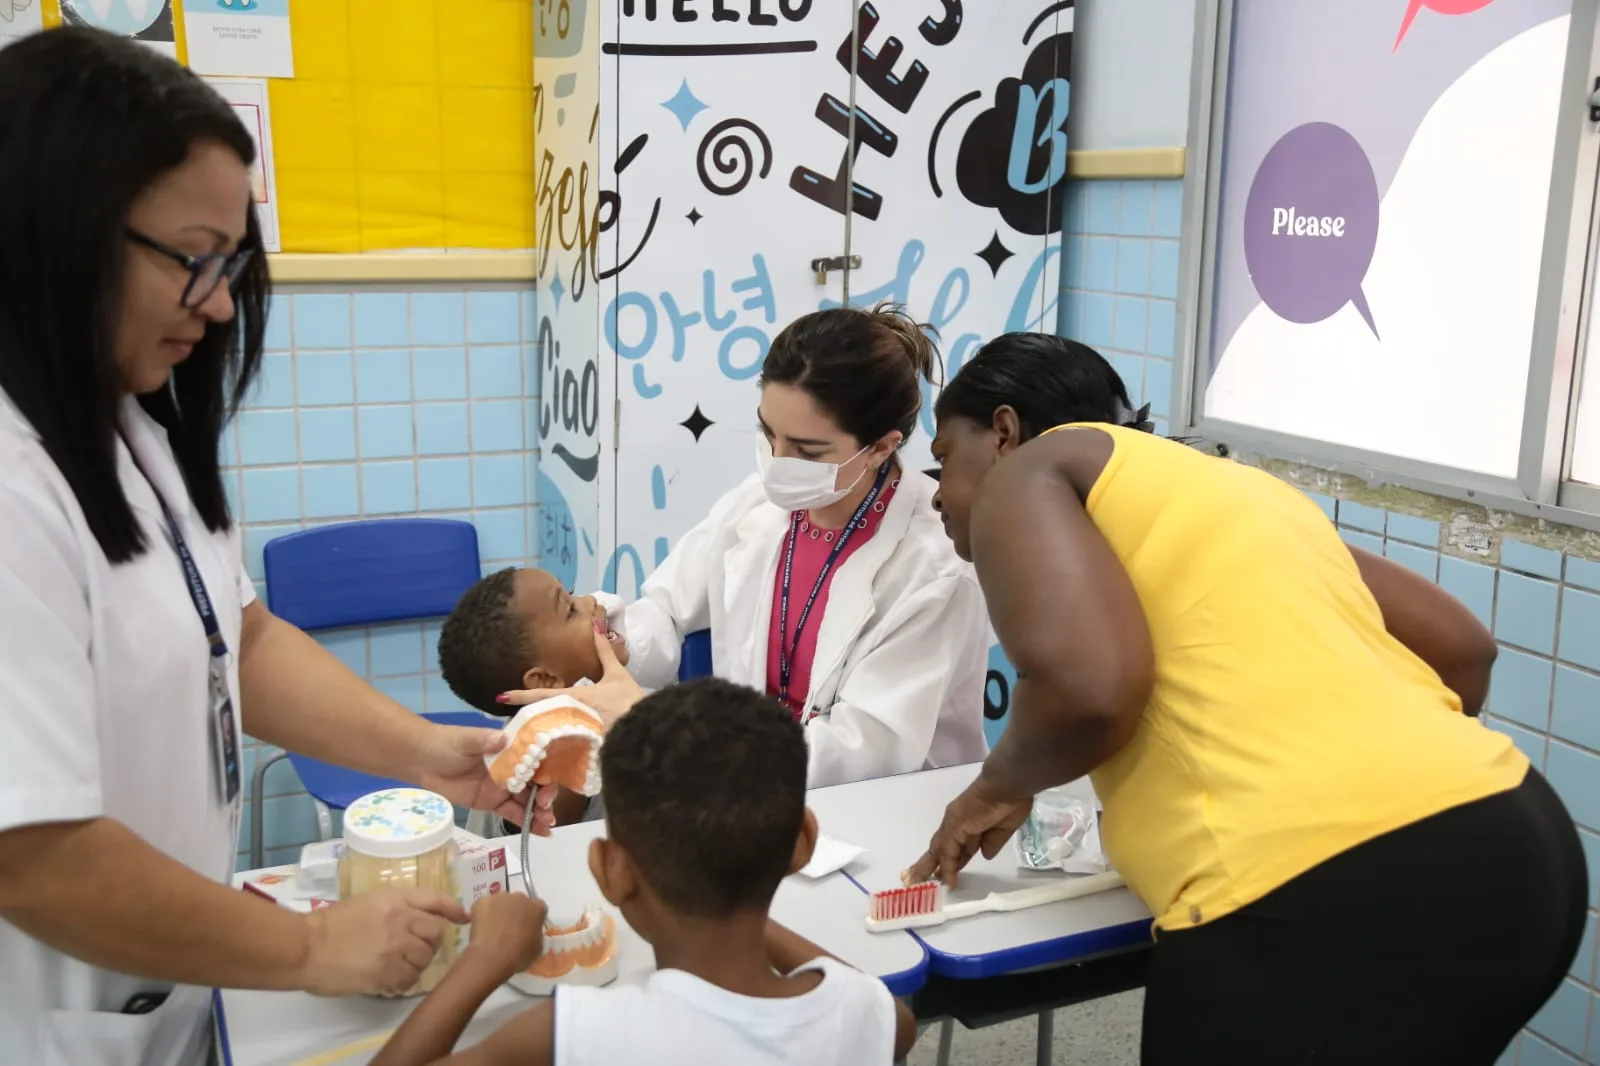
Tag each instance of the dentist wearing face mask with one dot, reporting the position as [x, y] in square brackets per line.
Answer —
[826, 578]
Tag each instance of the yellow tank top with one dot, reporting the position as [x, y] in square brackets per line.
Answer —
[1286, 725]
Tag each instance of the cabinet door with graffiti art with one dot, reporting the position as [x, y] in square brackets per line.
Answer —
[729, 148]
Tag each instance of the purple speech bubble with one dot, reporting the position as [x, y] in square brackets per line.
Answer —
[1311, 224]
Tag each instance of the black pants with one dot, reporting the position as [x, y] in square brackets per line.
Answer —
[1428, 946]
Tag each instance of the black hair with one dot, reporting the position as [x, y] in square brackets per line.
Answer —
[1049, 381]
[706, 789]
[484, 649]
[864, 368]
[88, 120]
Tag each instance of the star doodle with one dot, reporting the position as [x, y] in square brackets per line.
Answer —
[694, 216]
[684, 105]
[995, 254]
[557, 290]
[697, 423]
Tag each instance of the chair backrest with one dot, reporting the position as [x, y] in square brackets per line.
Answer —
[695, 661]
[363, 573]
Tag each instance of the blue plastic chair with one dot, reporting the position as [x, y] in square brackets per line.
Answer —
[353, 574]
[695, 660]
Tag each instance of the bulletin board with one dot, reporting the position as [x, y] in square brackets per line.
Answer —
[408, 124]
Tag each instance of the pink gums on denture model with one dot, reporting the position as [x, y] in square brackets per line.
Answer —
[552, 742]
[584, 953]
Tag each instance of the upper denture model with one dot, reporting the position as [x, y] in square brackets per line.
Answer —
[552, 742]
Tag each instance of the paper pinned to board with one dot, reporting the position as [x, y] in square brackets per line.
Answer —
[18, 18]
[239, 38]
[831, 856]
[249, 98]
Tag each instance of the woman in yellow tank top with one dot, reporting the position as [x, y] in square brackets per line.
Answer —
[1344, 867]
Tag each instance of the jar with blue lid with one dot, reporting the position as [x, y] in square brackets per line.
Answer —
[403, 838]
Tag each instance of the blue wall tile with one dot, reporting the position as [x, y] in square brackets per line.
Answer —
[383, 319]
[1074, 261]
[1105, 209]
[1365, 541]
[444, 484]
[327, 434]
[1133, 266]
[331, 491]
[271, 495]
[267, 438]
[1575, 774]
[1591, 855]
[1324, 502]
[1576, 712]
[383, 376]
[1129, 332]
[408, 690]
[1161, 333]
[496, 373]
[1580, 628]
[494, 317]
[280, 336]
[1360, 516]
[1542, 562]
[441, 373]
[1101, 269]
[1584, 573]
[1164, 267]
[1413, 530]
[1420, 560]
[1536, 1052]
[1168, 209]
[1582, 966]
[388, 488]
[438, 318]
[502, 535]
[396, 649]
[321, 320]
[1471, 583]
[497, 481]
[496, 426]
[441, 428]
[349, 646]
[386, 432]
[1135, 215]
[1525, 613]
[1097, 319]
[274, 384]
[1520, 689]
[325, 378]
[440, 698]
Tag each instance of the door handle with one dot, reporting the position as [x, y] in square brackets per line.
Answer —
[822, 267]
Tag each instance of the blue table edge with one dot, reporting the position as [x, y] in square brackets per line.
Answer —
[1060, 951]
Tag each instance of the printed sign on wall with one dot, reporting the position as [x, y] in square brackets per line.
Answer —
[1386, 175]
[734, 161]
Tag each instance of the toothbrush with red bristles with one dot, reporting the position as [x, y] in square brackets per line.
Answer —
[921, 906]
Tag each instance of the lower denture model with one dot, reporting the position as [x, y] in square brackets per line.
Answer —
[557, 742]
[584, 953]
[552, 742]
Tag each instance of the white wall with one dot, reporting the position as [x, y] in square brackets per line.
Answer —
[1130, 76]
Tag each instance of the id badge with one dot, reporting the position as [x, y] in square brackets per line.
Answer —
[225, 734]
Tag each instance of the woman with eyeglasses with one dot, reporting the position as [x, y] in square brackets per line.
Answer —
[133, 652]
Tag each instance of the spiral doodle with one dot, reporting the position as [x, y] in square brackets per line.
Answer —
[731, 154]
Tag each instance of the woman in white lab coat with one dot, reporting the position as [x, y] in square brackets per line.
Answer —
[826, 578]
[132, 301]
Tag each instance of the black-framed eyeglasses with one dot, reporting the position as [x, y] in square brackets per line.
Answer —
[206, 272]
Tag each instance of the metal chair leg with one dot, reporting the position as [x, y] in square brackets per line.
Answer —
[324, 820]
[258, 787]
[1044, 1054]
[947, 1032]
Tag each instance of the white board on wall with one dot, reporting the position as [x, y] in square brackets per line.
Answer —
[1381, 224]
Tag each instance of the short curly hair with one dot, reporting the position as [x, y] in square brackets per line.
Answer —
[484, 649]
[706, 789]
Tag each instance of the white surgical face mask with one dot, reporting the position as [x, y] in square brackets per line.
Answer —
[801, 484]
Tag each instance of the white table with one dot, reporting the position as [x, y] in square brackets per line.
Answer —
[894, 818]
[293, 1029]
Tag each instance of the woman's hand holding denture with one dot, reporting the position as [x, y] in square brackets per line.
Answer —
[611, 697]
[451, 764]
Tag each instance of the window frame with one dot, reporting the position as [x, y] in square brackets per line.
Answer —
[1541, 487]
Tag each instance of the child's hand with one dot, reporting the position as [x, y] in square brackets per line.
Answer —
[508, 929]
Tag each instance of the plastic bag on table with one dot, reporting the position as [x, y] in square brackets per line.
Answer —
[1062, 833]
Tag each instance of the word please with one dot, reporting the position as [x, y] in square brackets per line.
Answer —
[1287, 222]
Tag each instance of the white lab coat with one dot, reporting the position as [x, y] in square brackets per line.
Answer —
[902, 648]
[105, 711]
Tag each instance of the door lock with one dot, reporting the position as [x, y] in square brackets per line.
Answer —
[822, 267]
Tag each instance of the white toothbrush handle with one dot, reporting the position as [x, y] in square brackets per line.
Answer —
[1024, 898]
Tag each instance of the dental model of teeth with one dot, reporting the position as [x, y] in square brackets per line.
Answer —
[582, 954]
[552, 742]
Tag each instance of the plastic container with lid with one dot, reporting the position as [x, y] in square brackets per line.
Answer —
[403, 838]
